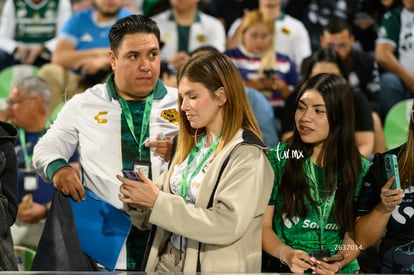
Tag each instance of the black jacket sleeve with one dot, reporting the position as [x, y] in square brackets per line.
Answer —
[8, 173]
[8, 195]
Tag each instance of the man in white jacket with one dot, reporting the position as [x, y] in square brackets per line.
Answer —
[109, 123]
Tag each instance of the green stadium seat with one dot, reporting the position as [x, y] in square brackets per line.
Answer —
[24, 257]
[13, 73]
[396, 123]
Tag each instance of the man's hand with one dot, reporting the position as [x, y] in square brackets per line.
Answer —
[28, 55]
[67, 181]
[162, 147]
[179, 59]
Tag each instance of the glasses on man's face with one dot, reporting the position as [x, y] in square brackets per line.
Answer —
[12, 102]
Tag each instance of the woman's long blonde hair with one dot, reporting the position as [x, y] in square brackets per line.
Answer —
[268, 57]
[215, 70]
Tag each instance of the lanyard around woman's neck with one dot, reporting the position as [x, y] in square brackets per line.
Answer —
[184, 181]
[145, 120]
[324, 206]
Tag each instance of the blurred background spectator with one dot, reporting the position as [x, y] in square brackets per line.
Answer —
[315, 14]
[290, 37]
[27, 106]
[28, 111]
[260, 65]
[81, 58]
[28, 30]
[366, 21]
[229, 10]
[184, 27]
[394, 51]
[80, 5]
[361, 69]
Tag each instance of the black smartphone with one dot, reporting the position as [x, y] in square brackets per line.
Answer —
[318, 254]
[333, 258]
[391, 169]
[131, 174]
[268, 72]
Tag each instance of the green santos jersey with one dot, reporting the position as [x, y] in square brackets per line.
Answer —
[36, 23]
[304, 233]
[397, 30]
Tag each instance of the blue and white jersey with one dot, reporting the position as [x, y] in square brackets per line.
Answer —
[84, 32]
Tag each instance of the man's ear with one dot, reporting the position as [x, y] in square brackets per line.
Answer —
[112, 58]
[221, 96]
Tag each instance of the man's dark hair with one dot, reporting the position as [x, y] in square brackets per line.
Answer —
[129, 25]
[337, 25]
[322, 55]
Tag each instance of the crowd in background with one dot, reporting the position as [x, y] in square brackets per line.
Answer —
[277, 46]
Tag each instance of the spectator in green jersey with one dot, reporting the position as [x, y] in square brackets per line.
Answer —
[318, 175]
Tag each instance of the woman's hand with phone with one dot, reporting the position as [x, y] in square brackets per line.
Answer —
[142, 195]
[390, 197]
[333, 258]
[327, 265]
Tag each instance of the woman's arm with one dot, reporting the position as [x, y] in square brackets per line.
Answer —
[371, 227]
[349, 250]
[145, 191]
[247, 177]
[298, 261]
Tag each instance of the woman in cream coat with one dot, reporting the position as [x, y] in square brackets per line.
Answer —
[208, 207]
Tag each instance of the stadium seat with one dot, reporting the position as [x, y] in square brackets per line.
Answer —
[24, 257]
[13, 73]
[396, 123]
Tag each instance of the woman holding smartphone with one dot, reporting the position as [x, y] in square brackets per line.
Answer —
[385, 208]
[318, 175]
[207, 209]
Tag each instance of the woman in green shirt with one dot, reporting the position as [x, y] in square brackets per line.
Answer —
[318, 176]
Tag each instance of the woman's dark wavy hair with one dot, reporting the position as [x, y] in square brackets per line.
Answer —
[339, 155]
